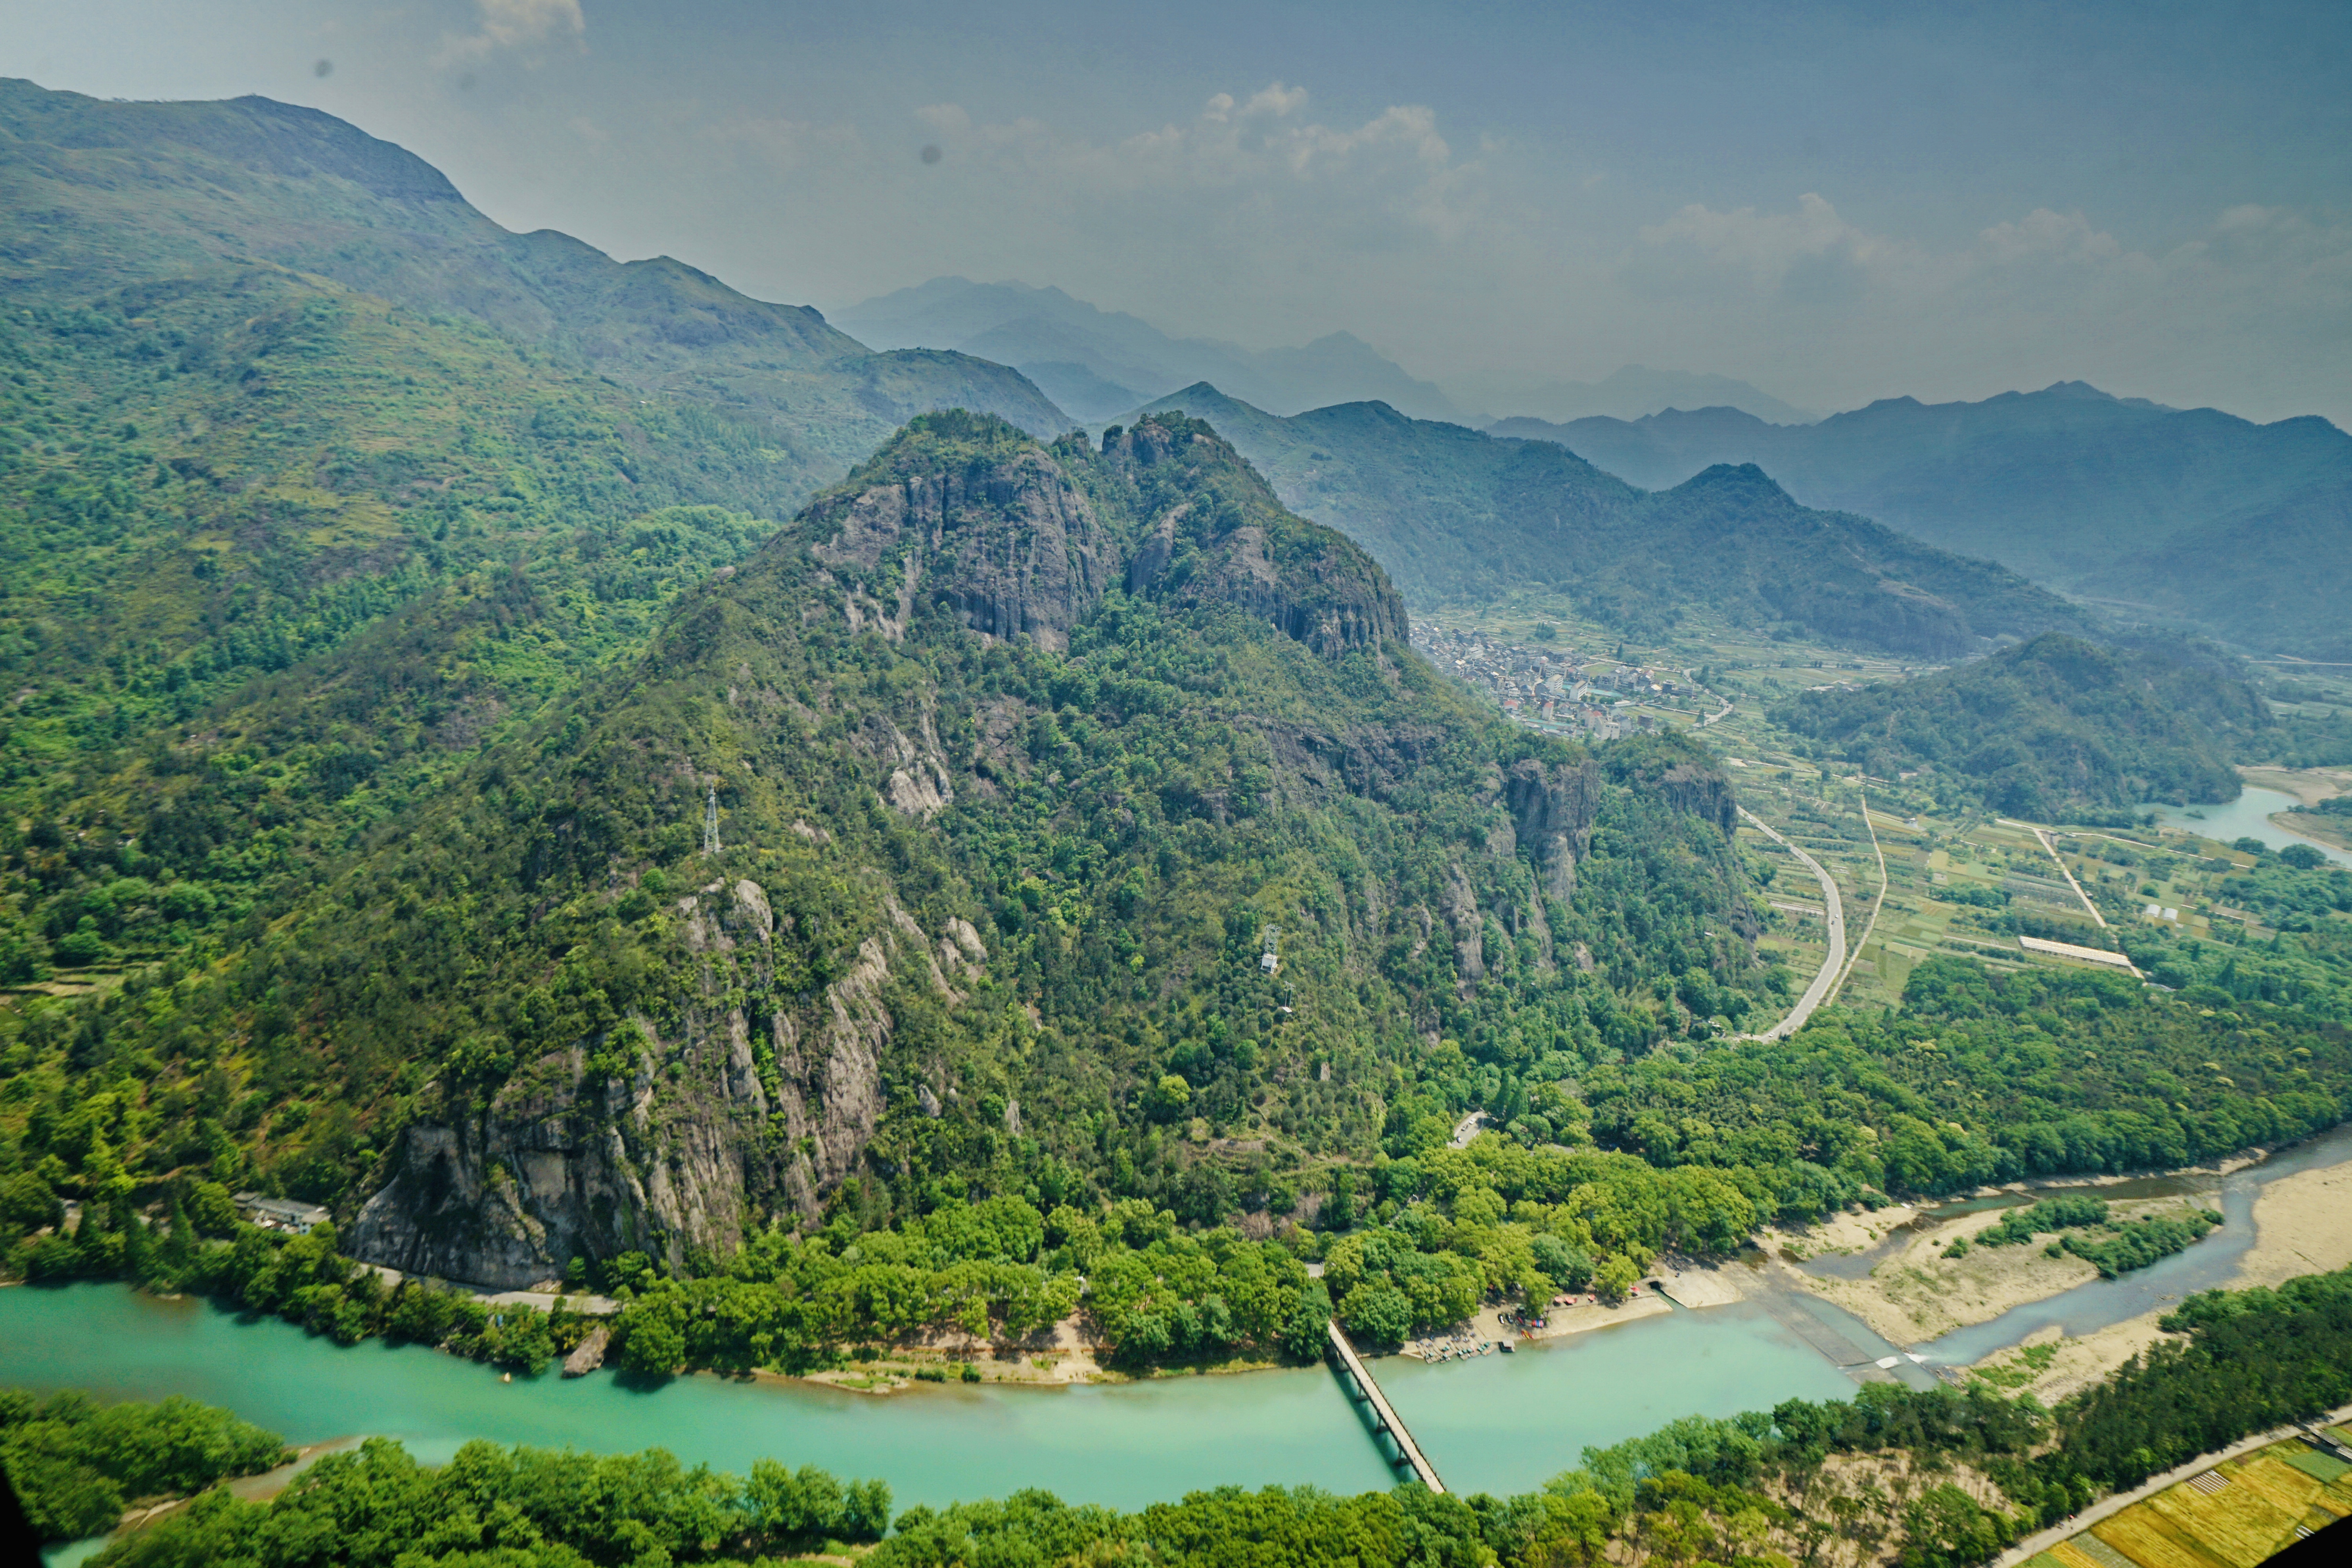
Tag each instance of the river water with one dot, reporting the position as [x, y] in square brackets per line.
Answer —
[1495, 1424]
[1498, 1423]
[2248, 816]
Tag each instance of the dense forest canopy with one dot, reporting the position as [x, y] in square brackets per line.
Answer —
[2052, 726]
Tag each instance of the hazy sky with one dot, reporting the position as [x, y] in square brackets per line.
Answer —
[1838, 202]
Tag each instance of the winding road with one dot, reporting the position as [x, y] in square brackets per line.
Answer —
[1833, 967]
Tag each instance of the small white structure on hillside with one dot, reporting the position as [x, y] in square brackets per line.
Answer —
[281, 1214]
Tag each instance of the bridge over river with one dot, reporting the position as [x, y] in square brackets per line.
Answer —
[1384, 1419]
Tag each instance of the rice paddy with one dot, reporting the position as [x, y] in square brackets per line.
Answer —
[2235, 1515]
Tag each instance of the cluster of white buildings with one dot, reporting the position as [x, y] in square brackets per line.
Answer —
[1550, 688]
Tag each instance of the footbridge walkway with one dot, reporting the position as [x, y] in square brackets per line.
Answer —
[1384, 1419]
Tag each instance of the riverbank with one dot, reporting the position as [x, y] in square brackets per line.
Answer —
[2309, 786]
[1916, 1292]
[2303, 1225]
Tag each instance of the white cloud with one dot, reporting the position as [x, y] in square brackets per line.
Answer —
[1262, 148]
[513, 24]
[2252, 312]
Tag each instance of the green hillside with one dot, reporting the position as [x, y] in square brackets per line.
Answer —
[1456, 515]
[103, 194]
[988, 907]
[276, 555]
[2053, 727]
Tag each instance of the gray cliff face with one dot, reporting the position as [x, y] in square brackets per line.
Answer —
[1552, 812]
[603, 1148]
[1015, 547]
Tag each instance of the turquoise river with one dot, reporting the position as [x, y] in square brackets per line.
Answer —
[1495, 1424]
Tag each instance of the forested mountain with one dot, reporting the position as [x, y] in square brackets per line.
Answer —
[2052, 726]
[100, 196]
[1098, 364]
[1022, 755]
[2191, 514]
[1455, 514]
[278, 551]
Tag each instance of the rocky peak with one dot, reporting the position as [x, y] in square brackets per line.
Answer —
[1552, 808]
[1007, 539]
[1214, 533]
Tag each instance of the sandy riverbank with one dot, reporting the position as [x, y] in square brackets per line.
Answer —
[2308, 786]
[1562, 1322]
[1915, 1293]
[2303, 1225]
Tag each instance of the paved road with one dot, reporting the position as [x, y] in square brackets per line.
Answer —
[1834, 966]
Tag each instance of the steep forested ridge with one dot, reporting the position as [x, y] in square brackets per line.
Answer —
[1455, 514]
[2191, 514]
[2052, 726]
[1021, 756]
[279, 548]
[103, 194]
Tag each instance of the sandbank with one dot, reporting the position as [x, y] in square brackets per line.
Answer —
[1915, 1293]
[2303, 1225]
[1561, 1322]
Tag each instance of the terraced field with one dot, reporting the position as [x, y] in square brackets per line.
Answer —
[2235, 1515]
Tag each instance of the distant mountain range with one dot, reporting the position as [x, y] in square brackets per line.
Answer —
[102, 194]
[2190, 514]
[1627, 393]
[1455, 514]
[1099, 364]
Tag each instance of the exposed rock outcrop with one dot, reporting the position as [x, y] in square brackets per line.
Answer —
[1014, 546]
[1311, 583]
[1552, 810]
[590, 1353]
[603, 1148]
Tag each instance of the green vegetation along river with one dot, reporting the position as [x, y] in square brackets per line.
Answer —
[1500, 1423]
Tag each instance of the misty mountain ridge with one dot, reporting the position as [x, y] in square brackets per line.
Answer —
[1456, 515]
[1098, 364]
[2185, 514]
[104, 194]
[1631, 392]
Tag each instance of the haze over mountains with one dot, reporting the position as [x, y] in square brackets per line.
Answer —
[1629, 393]
[2180, 514]
[1457, 515]
[103, 195]
[1100, 364]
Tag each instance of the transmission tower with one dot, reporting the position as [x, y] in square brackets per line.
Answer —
[710, 823]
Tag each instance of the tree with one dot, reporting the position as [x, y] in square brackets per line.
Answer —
[1168, 1098]
[27, 1203]
[1378, 1312]
[656, 1344]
